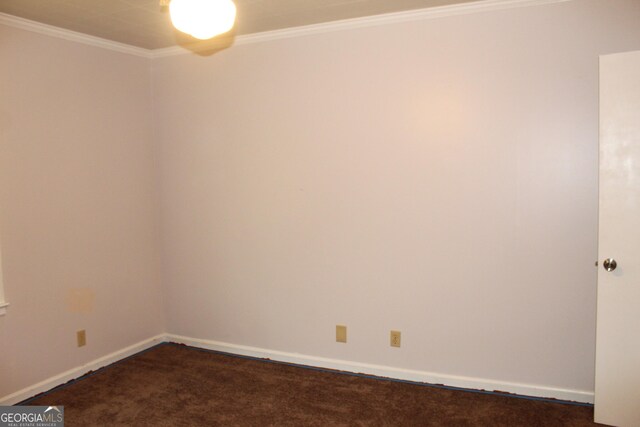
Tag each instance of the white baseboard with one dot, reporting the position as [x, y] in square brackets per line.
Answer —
[390, 372]
[79, 371]
[307, 360]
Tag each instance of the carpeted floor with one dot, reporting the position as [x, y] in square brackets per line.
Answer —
[175, 385]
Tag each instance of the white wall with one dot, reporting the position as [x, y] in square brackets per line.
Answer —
[78, 205]
[436, 177]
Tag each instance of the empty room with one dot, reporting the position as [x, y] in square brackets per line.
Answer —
[319, 213]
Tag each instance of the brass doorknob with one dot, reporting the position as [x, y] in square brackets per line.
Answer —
[609, 264]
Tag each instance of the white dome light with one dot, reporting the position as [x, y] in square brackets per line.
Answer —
[203, 19]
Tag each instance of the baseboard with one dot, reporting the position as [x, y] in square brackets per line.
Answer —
[390, 372]
[76, 372]
[307, 360]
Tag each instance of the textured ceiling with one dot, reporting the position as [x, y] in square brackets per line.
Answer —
[144, 23]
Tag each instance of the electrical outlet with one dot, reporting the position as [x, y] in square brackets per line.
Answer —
[341, 333]
[395, 339]
[82, 338]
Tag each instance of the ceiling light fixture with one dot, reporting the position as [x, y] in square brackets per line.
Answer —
[203, 19]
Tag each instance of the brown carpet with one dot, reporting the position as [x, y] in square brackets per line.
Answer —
[175, 385]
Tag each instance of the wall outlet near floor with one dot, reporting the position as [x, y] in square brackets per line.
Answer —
[394, 339]
[81, 338]
[341, 333]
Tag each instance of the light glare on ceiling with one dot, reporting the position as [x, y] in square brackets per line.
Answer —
[203, 19]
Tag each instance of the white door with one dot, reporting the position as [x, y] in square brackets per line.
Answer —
[617, 398]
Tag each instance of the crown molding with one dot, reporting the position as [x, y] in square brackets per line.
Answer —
[366, 21]
[326, 27]
[62, 33]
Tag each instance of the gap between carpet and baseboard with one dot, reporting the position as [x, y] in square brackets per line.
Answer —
[306, 361]
[388, 372]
